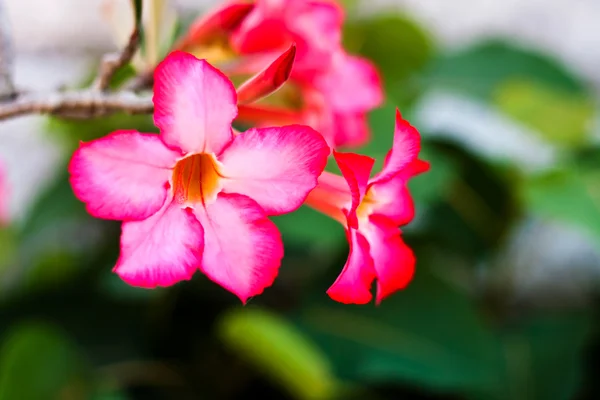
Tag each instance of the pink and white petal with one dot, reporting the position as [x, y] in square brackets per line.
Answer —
[405, 149]
[194, 104]
[356, 169]
[161, 250]
[393, 260]
[243, 248]
[276, 167]
[353, 285]
[122, 176]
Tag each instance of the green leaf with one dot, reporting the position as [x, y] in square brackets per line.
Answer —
[544, 355]
[478, 70]
[562, 117]
[58, 237]
[569, 195]
[72, 132]
[396, 44]
[434, 336]
[280, 351]
[428, 334]
[309, 229]
[38, 362]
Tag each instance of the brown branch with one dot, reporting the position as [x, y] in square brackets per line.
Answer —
[113, 61]
[76, 104]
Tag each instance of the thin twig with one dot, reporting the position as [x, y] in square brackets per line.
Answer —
[7, 88]
[76, 104]
[113, 61]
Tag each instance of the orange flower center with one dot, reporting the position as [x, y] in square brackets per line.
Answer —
[196, 179]
[365, 208]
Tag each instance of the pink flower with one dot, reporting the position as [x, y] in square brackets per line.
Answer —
[198, 195]
[372, 209]
[315, 26]
[341, 97]
[335, 101]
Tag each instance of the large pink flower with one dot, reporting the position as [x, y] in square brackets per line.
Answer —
[371, 210]
[198, 195]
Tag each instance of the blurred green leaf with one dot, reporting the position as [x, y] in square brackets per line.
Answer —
[71, 132]
[569, 195]
[428, 334]
[396, 44]
[432, 335]
[280, 350]
[57, 236]
[561, 117]
[479, 69]
[38, 362]
[307, 227]
[543, 355]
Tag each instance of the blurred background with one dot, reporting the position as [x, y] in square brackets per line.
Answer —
[505, 301]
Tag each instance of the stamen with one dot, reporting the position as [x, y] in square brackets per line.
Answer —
[196, 179]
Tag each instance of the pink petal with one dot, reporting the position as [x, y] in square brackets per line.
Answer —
[393, 260]
[276, 167]
[122, 176]
[243, 247]
[315, 27]
[331, 196]
[351, 130]
[161, 250]
[405, 150]
[259, 115]
[268, 80]
[356, 169]
[219, 22]
[353, 285]
[352, 84]
[194, 104]
[391, 197]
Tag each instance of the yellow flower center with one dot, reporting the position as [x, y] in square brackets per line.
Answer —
[196, 179]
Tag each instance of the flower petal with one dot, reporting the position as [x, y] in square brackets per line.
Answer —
[218, 22]
[194, 104]
[352, 84]
[356, 169]
[353, 285]
[393, 260]
[161, 250]
[276, 167]
[405, 149]
[315, 27]
[122, 176]
[269, 79]
[391, 197]
[243, 247]
[351, 129]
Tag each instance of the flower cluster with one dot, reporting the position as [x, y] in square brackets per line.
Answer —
[198, 195]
